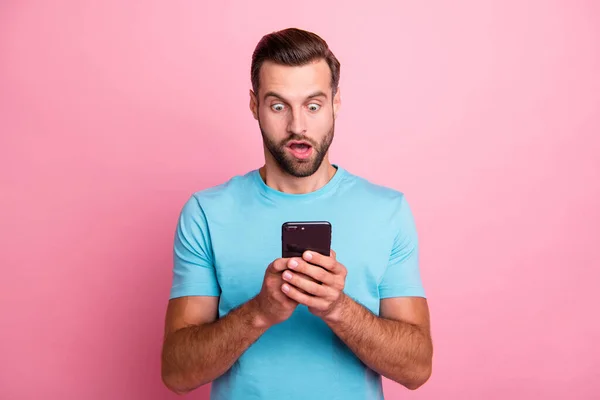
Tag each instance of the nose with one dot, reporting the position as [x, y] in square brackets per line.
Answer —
[297, 122]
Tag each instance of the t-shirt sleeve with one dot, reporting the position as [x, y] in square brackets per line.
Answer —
[193, 267]
[402, 276]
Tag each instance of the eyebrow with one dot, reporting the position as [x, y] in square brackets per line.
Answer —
[277, 95]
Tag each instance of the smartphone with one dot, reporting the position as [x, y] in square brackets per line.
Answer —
[297, 237]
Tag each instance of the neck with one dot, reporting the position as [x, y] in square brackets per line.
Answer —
[279, 180]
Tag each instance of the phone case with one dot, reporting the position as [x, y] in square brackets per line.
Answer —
[298, 237]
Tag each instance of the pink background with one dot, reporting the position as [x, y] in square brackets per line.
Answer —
[485, 113]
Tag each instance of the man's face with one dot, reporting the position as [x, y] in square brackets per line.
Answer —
[296, 115]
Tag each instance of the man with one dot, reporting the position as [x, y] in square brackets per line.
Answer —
[314, 327]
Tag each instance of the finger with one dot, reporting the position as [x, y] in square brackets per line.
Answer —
[301, 298]
[308, 286]
[278, 265]
[304, 276]
[309, 278]
[317, 273]
[332, 254]
[319, 259]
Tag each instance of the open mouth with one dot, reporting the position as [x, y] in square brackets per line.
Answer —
[300, 149]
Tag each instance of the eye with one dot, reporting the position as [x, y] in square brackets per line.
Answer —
[314, 107]
[277, 107]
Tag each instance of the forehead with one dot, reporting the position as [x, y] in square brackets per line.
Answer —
[295, 81]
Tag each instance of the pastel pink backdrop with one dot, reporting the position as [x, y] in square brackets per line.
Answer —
[485, 113]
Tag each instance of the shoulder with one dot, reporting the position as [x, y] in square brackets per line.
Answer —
[371, 191]
[222, 196]
[228, 189]
[378, 202]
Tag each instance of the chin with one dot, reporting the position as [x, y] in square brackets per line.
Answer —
[301, 169]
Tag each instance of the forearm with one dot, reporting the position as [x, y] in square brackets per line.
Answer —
[198, 354]
[395, 349]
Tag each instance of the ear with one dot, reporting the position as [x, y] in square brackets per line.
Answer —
[253, 105]
[337, 102]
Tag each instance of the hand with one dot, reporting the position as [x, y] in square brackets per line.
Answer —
[271, 305]
[324, 299]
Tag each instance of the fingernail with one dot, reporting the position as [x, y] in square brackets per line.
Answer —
[308, 255]
[285, 288]
[287, 275]
[293, 264]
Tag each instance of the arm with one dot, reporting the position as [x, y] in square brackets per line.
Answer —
[397, 344]
[198, 347]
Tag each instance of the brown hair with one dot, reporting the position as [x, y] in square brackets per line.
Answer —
[293, 47]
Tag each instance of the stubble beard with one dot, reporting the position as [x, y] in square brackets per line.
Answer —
[291, 165]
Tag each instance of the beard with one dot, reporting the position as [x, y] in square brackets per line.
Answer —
[288, 163]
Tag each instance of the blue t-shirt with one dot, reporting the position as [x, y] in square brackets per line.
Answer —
[226, 237]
